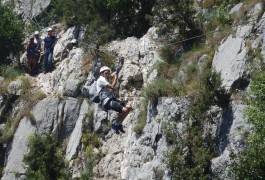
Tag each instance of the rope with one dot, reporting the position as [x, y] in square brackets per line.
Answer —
[177, 42]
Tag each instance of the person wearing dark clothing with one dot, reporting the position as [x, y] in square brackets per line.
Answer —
[68, 48]
[32, 54]
[38, 42]
[49, 43]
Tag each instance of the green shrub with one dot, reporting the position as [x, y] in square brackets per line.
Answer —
[10, 72]
[103, 20]
[191, 156]
[91, 158]
[191, 153]
[250, 163]
[170, 56]
[180, 15]
[11, 33]
[91, 138]
[45, 159]
[216, 16]
[90, 141]
[160, 88]
[141, 120]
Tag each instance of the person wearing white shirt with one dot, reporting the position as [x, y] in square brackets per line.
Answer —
[108, 101]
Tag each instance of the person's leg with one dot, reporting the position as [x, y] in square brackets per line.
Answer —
[50, 61]
[37, 63]
[123, 110]
[28, 66]
[34, 66]
[45, 65]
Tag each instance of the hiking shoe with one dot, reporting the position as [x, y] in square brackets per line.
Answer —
[120, 128]
[115, 128]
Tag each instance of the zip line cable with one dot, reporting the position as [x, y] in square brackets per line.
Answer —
[181, 41]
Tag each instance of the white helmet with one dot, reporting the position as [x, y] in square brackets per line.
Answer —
[36, 33]
[49, 29]
[73, 41]
[104, 68]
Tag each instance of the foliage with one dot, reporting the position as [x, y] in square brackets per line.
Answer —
[90, 138]
[10, 72]
[241, 15]
[45, 159]
[31, 96]
[141, 120]
[171, 54]
[92, 55]
[103, 20]
[249, 164]
[191, 154]
[90, 141]
[11, 126]
[91, 157]
[179, 15]
[160, 88]
[216, 15]
[11, 33]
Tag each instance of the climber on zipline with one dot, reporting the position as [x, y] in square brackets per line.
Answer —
[107, 100]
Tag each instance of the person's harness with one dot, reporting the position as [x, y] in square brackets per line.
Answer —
[103, 106]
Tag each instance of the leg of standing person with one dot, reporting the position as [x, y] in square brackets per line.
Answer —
[37, 64]
[28, 66]
[34, 67]
[50, 61]
[31, 66]
[45, 65]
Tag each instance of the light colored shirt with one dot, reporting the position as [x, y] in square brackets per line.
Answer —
[106, 92]
[38, 42]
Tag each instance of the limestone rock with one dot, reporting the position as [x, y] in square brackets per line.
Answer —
[69, 71]
[63, 40]
[14, 87]
[29, 8]
[129, 156]
[68, 115]
[46, 114]
[15, 168]
[232, 136]
[72, 88]
[76, 135]
[231, 61]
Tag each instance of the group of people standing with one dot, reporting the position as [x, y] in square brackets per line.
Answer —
[38, 48]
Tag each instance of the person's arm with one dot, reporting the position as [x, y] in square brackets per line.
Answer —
[27, 54]
[54, 42]
[114, 82]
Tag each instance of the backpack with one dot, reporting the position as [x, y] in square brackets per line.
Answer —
[92, 92]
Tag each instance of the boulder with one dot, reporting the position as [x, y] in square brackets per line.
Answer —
[75, 138]
[46, 114]
[72, 88]
[231, 61]
[29, 9]
[14, 87]
[15, 168]
[231, 139]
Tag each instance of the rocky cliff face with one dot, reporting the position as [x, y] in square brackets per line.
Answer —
[132, 156]
[29, 9]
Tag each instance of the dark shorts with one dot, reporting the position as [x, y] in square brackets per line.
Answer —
[115, 105]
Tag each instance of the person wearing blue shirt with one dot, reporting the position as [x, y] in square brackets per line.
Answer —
[49, 43]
